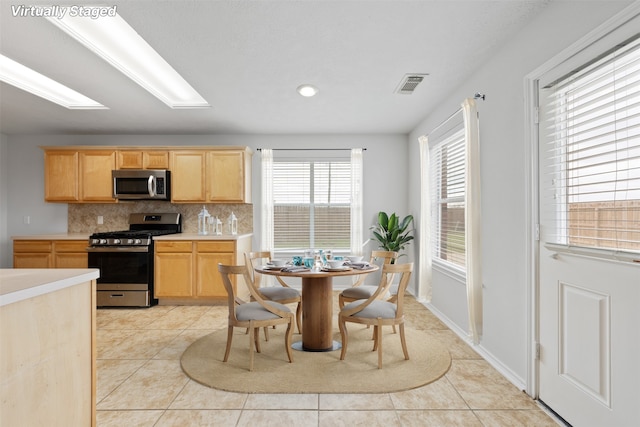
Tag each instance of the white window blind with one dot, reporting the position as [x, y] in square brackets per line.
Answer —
[312, 204]
[592, 134]
[447, 179]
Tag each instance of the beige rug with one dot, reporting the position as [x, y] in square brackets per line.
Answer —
[321, 372]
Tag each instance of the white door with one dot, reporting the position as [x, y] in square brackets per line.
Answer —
[589, 298]
[589, 367]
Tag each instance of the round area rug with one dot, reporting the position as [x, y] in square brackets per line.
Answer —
[316, 372]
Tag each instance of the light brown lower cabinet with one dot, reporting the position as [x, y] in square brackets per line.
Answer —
[187, 270]
[50, 254]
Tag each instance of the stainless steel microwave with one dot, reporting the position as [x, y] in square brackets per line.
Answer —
[134, 184]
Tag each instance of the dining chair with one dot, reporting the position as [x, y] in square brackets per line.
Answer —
[376, 311]
[253, 315]
[282, 293]
[359, 291]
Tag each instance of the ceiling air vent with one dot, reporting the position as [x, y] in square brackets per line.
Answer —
[409, 83]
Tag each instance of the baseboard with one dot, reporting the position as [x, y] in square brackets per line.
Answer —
[486, 355]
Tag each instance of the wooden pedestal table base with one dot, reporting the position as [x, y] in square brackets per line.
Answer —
[317, 306]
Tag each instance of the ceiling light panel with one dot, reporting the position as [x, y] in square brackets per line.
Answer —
[25, 78]
[113, 39]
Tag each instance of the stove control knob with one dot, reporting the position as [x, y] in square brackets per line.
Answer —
[129, 241]
[95, 241]
[103, 241]
[138, 242]
[116, 241]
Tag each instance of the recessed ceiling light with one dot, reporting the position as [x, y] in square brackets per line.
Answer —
[113, 39]
[307, 90]
[25, 78]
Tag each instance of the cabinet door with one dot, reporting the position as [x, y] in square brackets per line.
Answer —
[226, 176]
[32, 260]
[70, 254]
[208, 279]
[129, 159]
[173, 275]
[187, 176]
[95, 170]
[61, 176]
[155, 160]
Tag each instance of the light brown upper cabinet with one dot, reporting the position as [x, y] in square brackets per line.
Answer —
[79, 176]
[95, 175]
[221, 176]
[228, 176]
[61, 183]
[140, 159]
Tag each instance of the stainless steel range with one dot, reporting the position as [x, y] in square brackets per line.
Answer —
[125, 259]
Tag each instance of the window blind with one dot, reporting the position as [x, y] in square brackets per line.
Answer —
[312, 204]
[592, 138]
[448, 198]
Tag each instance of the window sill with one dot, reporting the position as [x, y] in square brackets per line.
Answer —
[450, 270]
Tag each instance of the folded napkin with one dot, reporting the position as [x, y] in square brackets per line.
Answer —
[363, 265]
[294, 269]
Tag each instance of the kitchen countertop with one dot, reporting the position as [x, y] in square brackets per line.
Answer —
[57, 236]
[17, 284]
[196, 236]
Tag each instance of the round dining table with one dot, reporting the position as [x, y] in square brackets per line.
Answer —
[317, 303]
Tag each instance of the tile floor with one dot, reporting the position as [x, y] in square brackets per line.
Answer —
[140, 382]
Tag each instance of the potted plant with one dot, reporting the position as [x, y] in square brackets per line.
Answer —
[391, 233]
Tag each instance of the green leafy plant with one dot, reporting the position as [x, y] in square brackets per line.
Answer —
[391, 233]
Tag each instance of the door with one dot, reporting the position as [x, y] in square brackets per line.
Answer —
[589, 249]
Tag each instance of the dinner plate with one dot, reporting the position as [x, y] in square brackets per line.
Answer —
[273, 267]
[343, 268]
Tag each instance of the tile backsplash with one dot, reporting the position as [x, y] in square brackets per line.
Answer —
[83, 218]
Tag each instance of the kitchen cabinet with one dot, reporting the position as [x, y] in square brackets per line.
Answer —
[61, 180]
[95, 173]
[211, 176]
[139, 159]
[50, 254]
[187, 270]
[228, 176]
[79, 176]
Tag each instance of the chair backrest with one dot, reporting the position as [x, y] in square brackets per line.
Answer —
[226, 272]
[251, 259]
[388, 257]
[405, 271]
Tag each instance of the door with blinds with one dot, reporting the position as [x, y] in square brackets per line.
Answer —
[589, 251]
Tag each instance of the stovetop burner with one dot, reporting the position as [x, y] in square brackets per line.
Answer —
[142, 228]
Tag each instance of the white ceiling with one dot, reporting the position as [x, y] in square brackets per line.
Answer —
[246, 58]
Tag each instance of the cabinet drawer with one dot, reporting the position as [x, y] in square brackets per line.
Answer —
[32, 246]
[225, 246]
[177, 246]
[71, 246]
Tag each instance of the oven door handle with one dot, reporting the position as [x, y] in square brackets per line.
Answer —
[151, 186]
[118, 249]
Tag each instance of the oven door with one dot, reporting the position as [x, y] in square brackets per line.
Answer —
[126, 275]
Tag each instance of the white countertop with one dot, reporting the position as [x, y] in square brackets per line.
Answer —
[17, 284]
[57, 236]
[196, 236]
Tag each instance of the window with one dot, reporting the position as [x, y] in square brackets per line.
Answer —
[311, 204]
[448, 199]
[592, 135]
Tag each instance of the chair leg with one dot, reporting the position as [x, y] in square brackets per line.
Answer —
[340, 301]
[229, 338]
[344, 336]
[299, 317]
[287, 340]
[374, 337]
[266, 333]
[251, 343]
[379, 343]
[256, 338]
[404, 342]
